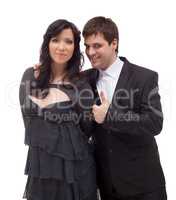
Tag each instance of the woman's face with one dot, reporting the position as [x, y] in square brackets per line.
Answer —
[61, 47]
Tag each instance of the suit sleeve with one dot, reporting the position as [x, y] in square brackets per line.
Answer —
[148, 120]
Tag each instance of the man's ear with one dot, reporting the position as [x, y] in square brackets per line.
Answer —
[114, 43]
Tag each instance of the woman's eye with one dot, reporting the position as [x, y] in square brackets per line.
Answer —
[54, 40]
[69, 41]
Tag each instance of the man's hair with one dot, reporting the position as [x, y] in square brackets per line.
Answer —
[103, 26]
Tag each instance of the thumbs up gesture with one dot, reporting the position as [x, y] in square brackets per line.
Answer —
[99, 112]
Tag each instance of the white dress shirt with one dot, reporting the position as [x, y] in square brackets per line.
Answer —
[108, 78]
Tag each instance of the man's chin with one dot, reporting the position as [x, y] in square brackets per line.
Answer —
[95, 66]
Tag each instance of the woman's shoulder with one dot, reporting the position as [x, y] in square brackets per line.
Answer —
[28, 74]
[28, 78]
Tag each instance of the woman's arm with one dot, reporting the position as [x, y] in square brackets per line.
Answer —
[24, 90]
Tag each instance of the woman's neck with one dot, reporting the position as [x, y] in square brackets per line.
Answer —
[58, 72]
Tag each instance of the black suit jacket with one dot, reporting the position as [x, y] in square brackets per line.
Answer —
[126, 151]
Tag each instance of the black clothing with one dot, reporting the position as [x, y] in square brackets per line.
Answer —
[159, 194]
[127, 155]
[60, 163]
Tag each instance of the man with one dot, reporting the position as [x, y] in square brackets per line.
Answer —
[128, 115]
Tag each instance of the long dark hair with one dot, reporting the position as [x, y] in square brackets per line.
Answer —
[74, 65]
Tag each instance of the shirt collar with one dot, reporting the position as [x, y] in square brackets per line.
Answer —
[113, 69]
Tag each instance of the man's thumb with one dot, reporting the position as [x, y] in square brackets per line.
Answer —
[103, 97]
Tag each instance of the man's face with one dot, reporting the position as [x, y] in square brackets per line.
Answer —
[100, 53]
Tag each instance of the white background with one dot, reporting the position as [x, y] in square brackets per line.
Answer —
[147, 37]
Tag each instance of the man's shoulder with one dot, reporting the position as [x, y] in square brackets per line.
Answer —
[142, 69]
[139, 71]
[90, 75]
[88, 72]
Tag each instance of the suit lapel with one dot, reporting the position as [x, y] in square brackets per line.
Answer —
[123, 79]
[95, 90]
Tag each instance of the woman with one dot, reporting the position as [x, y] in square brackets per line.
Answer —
[56, 107]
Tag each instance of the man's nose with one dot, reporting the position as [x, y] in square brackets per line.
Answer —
[91, 51]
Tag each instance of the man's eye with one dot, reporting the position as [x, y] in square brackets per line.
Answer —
[87, 48]
[96, 46]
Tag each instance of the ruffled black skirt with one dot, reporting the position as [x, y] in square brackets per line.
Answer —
[55, 178]
[60, 164]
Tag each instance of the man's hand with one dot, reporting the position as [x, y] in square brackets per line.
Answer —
[36, 70]
[99, 112]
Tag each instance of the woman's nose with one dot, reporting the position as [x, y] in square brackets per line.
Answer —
[61, 46]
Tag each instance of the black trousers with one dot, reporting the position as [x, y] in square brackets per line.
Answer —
[160, 194]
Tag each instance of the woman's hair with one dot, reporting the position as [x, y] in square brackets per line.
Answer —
[74, 65]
